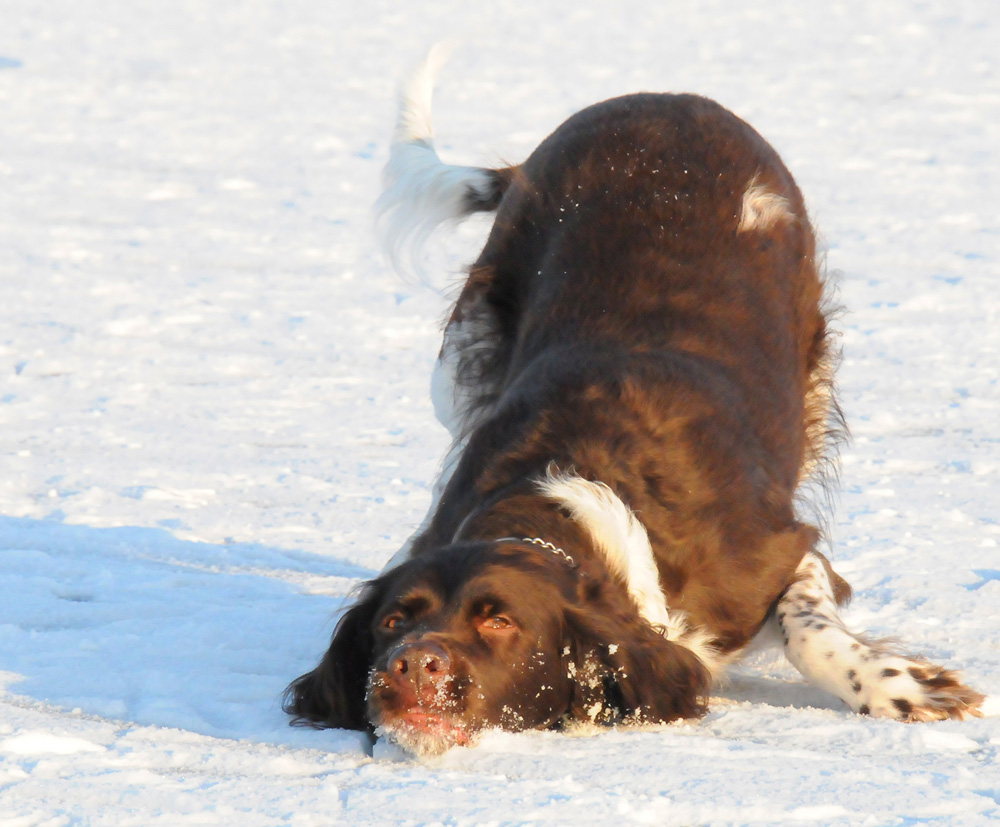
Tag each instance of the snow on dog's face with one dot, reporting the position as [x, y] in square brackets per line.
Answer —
[492, 635]
[457, 654]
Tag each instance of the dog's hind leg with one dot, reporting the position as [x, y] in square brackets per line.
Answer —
[869, 676]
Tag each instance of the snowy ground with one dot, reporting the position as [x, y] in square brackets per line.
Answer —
[215, 416]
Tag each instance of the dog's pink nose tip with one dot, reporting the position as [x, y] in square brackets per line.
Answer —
[419, 660]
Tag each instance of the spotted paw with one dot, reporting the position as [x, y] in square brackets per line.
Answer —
[910, 690]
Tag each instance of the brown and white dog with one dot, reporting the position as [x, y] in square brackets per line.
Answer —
[638, 379]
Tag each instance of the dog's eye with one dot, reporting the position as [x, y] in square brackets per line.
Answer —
[497, 623]
[394, 621]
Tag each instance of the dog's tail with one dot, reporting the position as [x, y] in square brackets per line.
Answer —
[419, 190]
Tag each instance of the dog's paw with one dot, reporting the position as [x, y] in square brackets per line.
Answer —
[909, 690]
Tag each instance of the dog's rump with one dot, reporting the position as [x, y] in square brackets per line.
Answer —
[662, 223]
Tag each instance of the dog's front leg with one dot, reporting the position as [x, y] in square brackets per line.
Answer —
[868, 676]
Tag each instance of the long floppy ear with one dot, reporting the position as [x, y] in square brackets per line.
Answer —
[333, 694]
[623, 667]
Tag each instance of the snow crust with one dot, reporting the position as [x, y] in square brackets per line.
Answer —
[215, 418]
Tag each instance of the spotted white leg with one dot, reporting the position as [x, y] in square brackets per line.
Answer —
[868, 676]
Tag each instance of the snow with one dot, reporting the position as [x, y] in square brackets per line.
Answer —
[216, 420]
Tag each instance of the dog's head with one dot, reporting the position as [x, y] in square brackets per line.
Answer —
[493, 635]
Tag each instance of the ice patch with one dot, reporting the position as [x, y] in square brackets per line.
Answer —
[991, 707]
[939, 740]
[47, 743]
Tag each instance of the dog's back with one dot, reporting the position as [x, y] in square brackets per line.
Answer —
[665, 225]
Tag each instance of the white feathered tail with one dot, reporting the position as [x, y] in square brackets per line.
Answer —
[419, 190]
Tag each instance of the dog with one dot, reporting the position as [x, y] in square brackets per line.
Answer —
[638, 377]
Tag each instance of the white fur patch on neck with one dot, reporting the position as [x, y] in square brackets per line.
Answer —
[622, 539]
[762, 208]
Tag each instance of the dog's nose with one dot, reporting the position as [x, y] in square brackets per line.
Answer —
[423, 664]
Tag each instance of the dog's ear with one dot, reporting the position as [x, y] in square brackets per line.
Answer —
[622, 667]
[333, 694]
